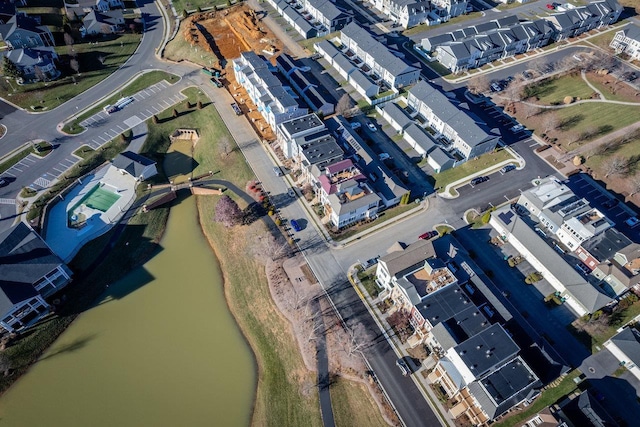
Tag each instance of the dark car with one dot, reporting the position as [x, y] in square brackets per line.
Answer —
[295, 225]
[507, 169]
[404, 368]
[478, 180]
[428, 235]
[3, 181]
[611, 203]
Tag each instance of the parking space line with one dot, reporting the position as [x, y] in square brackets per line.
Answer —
[10, 174]
[121, 128]
[58, 170]
[592, 191]
[17, 168]
[621, 213]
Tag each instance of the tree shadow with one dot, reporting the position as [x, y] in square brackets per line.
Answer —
[570, 122]
[74, 345]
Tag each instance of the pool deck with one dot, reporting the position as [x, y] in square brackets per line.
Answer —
[65, 241]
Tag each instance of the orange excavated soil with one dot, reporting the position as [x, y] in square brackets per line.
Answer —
[226, 34]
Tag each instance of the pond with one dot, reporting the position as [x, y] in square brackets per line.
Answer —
[160, 348]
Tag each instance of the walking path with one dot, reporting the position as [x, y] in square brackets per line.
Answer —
[583, 74]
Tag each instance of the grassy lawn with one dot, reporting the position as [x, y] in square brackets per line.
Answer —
[308, 44]
[368, 280]
[6, 164]
[440, 69]
[546, 398]
[84, 152]
[553, 91]
[485, 161]
[45, 96]
[594, 341]
[179, 49]
[630, 150]
[139, 83]
[618, 96]
[352, 402]
[603, 40]
[181, 5]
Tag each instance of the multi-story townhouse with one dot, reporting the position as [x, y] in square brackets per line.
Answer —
[25, 31]
[392, 69]
[627, 41]
[578, 20]
[288, 131]
[327, 15]
[459, 134]
[265, 90]
[29, 273]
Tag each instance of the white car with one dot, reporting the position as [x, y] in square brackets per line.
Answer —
[517, 128]
[372, 127]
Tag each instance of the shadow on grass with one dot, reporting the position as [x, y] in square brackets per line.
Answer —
[74, 345]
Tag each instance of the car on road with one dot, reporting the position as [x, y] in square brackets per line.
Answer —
[291, 192]
[277, 171]
[355, 125]
[507, 168]
[295, 225]
[611, 203]
[633, 221]
[550, 6]
[372, 127]
[384, 156]
[428, 235]
[402, 365]
[479, 180]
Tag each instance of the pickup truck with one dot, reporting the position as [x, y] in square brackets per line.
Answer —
[211, 72]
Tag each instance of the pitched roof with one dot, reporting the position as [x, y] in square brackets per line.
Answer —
[438, 156]
[327, 9]
[628, 341]
[605, 245]
[328, 47]
[632, 31]
[398, 114]
[361, 79]
[589, 296]
[412, 255]
[383, 57]
[24, 259]
[31, 56]
[132, 162]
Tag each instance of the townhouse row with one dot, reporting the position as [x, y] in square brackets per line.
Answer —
[480, 44]
[312, 18]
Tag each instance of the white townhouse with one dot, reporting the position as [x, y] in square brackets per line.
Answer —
[265, 90]
[627, 41]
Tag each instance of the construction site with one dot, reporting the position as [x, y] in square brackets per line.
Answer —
[225, 34]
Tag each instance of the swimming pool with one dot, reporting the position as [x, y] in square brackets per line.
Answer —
[101, 197]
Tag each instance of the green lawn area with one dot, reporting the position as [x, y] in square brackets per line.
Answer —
[181, 5]
[84, 152]
[553, 91]
[603, 40]
[630, 150]
[308, 44]
[470, 167]
[546, 398]
[608, 92]
[139, 83]
[439, 68]
[7, 163]
[48, 95]
[179, 49]
[350, 402]
[368, 280]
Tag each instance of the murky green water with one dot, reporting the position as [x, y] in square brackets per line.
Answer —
[165, 352]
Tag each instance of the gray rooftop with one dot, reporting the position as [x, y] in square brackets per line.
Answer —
[326, 8]
[319, 147]
[412, 255]
[329, 48]
[439, 156]
[383, 57]
[421, 137]
[361, 79]
[590, 297]
[605, 245]
[398, 114]
[302, 124]
[24, 259]
[487, 350]
[628, 341]
[632, 31]
[132, 162]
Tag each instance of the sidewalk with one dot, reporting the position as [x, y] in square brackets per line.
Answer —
[400, 350]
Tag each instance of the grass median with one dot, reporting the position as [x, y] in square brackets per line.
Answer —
[470, 167]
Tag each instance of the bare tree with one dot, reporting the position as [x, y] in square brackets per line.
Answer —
[40, 75]
[614, 166]
[75, 65]
[344, 106]
[530, 110]
[357, 339]
[478, 84]
[549, 122]
[224, 146]
[268, 247]
[634, 184]
[227, 212]
[68, 40]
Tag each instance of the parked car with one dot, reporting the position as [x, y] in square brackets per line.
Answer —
[277, 171]
[527, 74]
[611, 203]
[384, 156]
[372, 127]
[478, 180]
[633, 221]
[550, 6]
[3, 181]
[404, 368]
[507, 168]
[237, 109]
[495, 87]
[428, 235]
[516, 128]
[291, 192]
[355, 125]
[295, 225]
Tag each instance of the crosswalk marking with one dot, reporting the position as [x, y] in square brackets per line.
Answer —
[42, 182]
[7, 201]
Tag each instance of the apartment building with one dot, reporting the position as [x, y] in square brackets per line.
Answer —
[627, 41]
